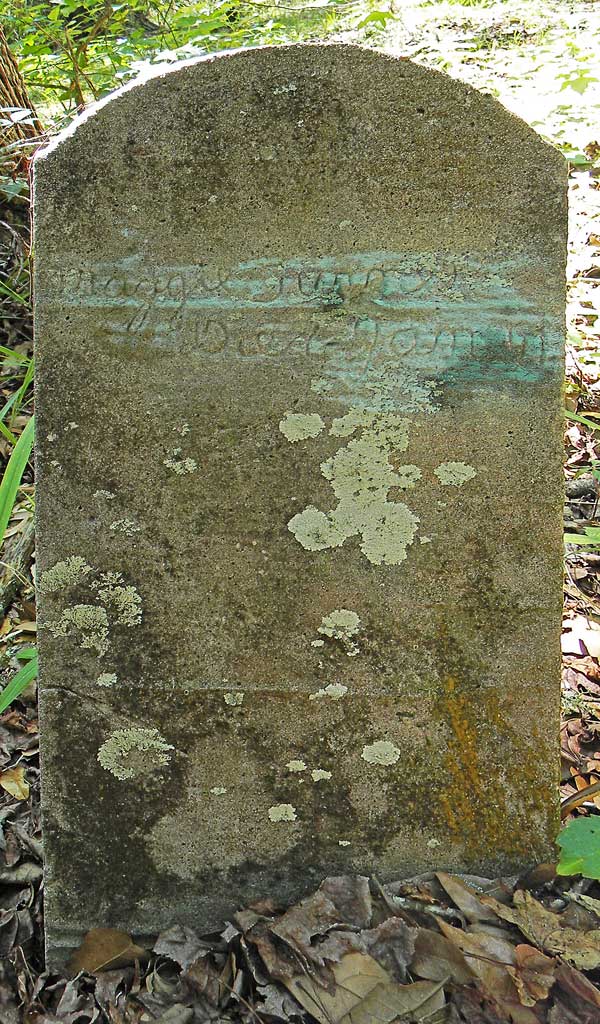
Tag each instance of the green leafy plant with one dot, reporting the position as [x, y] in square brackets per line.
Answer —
[579, 842]
[13, 475]
[20, 680]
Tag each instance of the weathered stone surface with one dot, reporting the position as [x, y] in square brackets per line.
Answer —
[299, 324]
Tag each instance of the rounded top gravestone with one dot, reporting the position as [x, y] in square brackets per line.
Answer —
[299, 319]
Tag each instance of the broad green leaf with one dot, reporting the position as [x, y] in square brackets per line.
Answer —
[19, 681]
[12, 475]
[579, 842]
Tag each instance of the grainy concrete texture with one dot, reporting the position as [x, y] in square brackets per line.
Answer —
[299, 342]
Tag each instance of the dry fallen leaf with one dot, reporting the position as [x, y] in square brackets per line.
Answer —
[14, 782]
[465, 897]
[533, 974]
[489, 957]
[363, 993]
[436, 958]
[104, 948]
[356, 975]
[544, 928]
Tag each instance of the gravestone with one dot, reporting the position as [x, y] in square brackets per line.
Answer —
[299, 329]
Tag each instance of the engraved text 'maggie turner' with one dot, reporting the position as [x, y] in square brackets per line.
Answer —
[360, 313]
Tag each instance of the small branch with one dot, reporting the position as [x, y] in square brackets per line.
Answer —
[571, 802]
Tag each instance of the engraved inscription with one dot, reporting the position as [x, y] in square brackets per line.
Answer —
[375, 321]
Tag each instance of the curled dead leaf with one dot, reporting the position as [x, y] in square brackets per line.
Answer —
[533, 974]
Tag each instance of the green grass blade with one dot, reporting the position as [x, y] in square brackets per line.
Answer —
[12, 475]
[22, 391]
[581, 419]
[5, 289]
[26, 653]
[10, 437]
[19, 681]
[16, 356]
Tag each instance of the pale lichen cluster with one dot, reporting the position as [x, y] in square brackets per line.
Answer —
[454, 474]
[342, 624]
[89, 624]
[106, 679]
[123, 599]
[362, 475]
[126, 526]
[381, 752]
[68, 573]
[335, 691]
[180, 466]
[234, 699]
[131, 753]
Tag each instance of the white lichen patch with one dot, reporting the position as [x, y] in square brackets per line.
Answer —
[380, 752]
[408, 476]
[108, 495]
[432, 843]
[340, 624]
[131, 753]
[233, 699]
[88, 622]
[344, 842]
[64, 574]
[117, 604]
[300, 426]
[123, 599]
[52, 437]
[71, 426]
[317, 643]
[126, 526]
[296, 766]
[319, 775]
[335, 691]
[178, 465]
[454, 473]
[106, 679]
[425, 540]
[361, 476]
[218, 790]
[282, 812]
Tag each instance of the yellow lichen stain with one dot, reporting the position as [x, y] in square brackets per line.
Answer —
[480, 807]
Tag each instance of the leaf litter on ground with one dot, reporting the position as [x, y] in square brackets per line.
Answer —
[438, 949]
